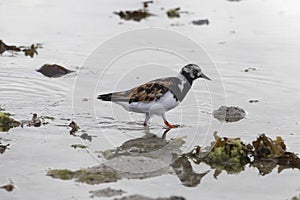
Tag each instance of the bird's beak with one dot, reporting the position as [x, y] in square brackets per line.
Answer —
[204, 76]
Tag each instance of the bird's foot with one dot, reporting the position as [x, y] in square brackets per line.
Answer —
[171, 125]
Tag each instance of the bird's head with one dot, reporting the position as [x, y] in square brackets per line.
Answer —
[192, 71]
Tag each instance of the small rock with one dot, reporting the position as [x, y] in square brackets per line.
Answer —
[36, 121]
[229, 114]
[85, 136]
[85, 99]
[106, 192]
[3, 148]
[253, 101]
[177, 24]
[8, 187]
[249, 69]
[74, 127]
[53, 70]
[141, 197]
[200, 22]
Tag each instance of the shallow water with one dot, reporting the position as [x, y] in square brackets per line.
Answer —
[259, 34]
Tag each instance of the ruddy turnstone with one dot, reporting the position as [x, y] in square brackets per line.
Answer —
[158, 96]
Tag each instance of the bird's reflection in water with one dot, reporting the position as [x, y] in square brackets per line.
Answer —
[159, 148]
[150, 145]
[184, 171]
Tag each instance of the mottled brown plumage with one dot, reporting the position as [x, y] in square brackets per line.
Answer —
[147, 92]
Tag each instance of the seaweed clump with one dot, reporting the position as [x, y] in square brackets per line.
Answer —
[6, 122]
[136, 15]
[232, 155]
[229, 154]
[28, 51]
[269, 153]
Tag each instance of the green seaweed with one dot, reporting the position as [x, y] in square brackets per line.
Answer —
[173, 13]
[63, 174]
[295, 198]
[6, 122]
[88, 176]
[227, 154]
[81, 146]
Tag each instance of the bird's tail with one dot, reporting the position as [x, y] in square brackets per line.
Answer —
[105, 97]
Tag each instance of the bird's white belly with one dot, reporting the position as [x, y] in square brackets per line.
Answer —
[163, 104]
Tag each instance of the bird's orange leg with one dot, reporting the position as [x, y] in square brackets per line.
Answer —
[167, 123]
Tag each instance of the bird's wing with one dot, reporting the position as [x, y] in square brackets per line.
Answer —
[145, 93]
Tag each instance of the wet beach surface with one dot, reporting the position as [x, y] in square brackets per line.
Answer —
[253, 45]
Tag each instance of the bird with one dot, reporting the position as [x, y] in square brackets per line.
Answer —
[158, 96]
